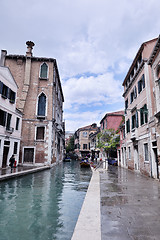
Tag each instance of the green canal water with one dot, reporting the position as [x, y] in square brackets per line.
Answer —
[44, 205]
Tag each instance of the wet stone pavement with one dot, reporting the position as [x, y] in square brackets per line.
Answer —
[130, 205]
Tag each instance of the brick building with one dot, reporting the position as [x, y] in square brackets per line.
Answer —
[112, 120]
[40, 98]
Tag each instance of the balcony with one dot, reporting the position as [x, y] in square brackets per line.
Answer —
[9, 130]
[134, 134]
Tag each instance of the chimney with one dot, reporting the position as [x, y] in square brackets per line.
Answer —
[30, 46]
[3, 56]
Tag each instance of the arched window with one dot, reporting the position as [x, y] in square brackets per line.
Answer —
[44, 71]
[41, 105]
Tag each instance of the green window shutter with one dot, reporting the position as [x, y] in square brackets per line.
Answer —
[141, 116]
[137, 124]
[145, 113]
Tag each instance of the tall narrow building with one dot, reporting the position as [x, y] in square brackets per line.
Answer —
[40, 99]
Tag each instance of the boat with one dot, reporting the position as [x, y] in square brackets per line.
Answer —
[84, 163]
[66, 159]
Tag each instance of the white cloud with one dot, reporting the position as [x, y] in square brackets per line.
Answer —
[92, 90]
[99, 37]
[80, 119]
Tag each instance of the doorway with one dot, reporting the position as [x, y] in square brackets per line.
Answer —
[136, 158]
[28, 156]
[5, 156]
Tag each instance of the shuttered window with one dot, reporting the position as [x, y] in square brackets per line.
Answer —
[40, 133]
[3, 115]
[9, 116]
[4, 91]
[128, 125]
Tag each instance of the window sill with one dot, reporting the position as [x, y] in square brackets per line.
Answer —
[45, 79]
[146, 162]
[4, 97]
[12, 102]
[41, 117]
[39, 140]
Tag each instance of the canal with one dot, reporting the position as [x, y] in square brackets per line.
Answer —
[44, 205]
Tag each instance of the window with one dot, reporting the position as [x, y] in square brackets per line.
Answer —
[146, 152]
[44, 71]
[40, 133]
[41, 105]
[84, 146]
[131, 96]
[133, 121]
[129, 152]
[15, 147]
[143, 81]
[17, 123]
[85, 134]
[135, 92]
[126, 104]
[128, 125]
[4, 91]
[6, 143]
[12, 96]
[3, 115]
[28, 155]
[1, 87]
[137, 122]
[106, 123]
[141, 84]
[144, 114]
[9, 116]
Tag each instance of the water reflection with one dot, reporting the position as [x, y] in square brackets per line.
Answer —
[44, 205]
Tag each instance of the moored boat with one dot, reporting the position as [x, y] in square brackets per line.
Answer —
[84, 163]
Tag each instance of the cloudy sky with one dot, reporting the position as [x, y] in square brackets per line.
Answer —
[93, 41]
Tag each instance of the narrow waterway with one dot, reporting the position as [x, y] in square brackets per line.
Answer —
[44, 205]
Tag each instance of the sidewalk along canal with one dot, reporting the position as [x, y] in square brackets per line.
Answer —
[89, 222]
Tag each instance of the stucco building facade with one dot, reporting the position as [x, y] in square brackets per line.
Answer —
[40, 98]
[154, 62]
[10, 119]
[83, 140]
[139, 121]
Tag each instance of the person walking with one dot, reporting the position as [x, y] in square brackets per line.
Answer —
[11, 160]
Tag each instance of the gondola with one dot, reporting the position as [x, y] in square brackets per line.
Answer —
[84, 163]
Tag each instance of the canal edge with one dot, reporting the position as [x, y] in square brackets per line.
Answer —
[22, 173]
[88, 225]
